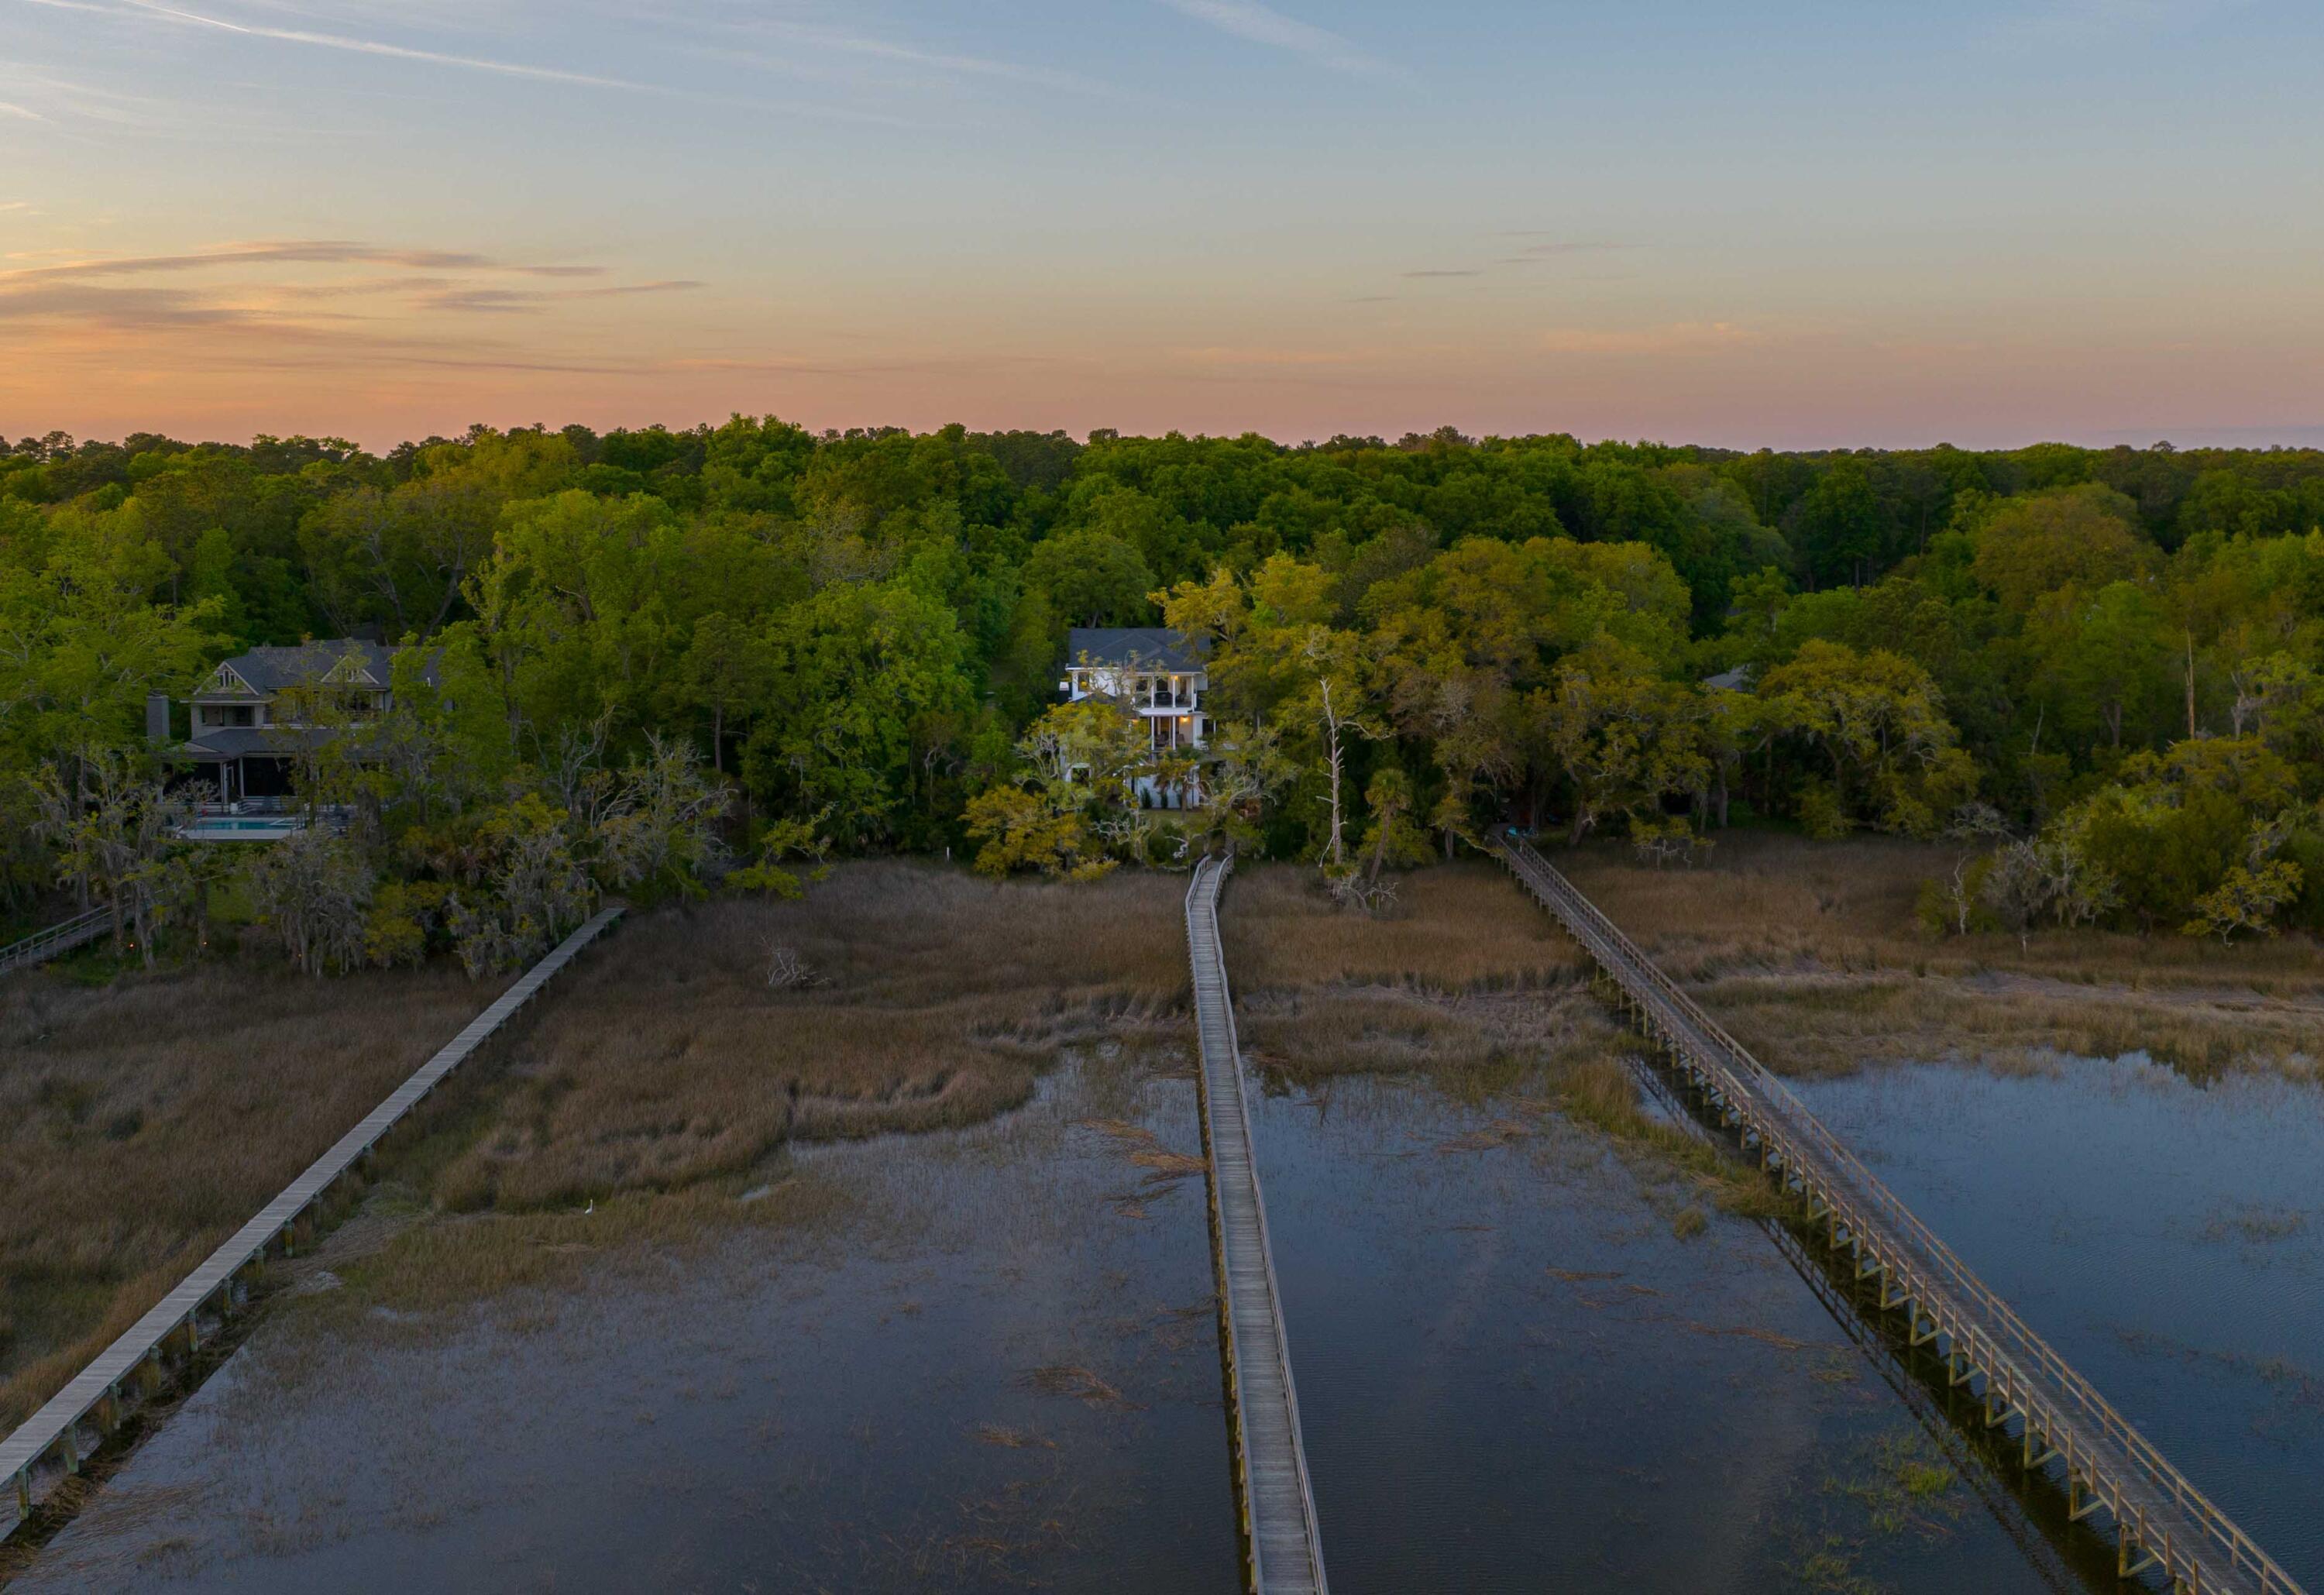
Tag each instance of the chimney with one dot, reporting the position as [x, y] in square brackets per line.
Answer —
[157, 716]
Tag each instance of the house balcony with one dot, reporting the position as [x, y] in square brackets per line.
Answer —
[1174, 733]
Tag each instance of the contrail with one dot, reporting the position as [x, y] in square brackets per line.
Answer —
[473, 63]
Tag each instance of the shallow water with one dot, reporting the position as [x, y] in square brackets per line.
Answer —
[2167, 1238]
[1514, 1374]
[858, 1410]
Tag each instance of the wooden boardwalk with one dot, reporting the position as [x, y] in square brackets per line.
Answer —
[1284, 1554]
[2056, 1421]
[138, 1359]
[59, 938]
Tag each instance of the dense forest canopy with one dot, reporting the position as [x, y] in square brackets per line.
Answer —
[2104, 668]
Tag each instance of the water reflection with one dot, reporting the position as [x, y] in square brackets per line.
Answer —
[2167, 1238]
[999, 1370]
[1000, 1373]
[1513, 1374]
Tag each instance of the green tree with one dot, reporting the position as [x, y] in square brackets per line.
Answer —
[2080, 538]
[853, 669]
[1080, 761]
[82, 643]
[726, 670]
[2246, 899]
[2107, 656]
[1092, 577]
[1838, 526]
[315, 890]
[1878, 722]
[1623, 739]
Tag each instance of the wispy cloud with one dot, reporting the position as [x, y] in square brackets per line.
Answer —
[1534, 254]
[474, 63]
[874, 48]
[116, 310]
[1677, 337]
[1257, 24]
[1228, 355]
[530, 302]
[1557, 246]
[2086, 18]
[349, 44]
[24, 112]
[53, 98]
[288, 252]
[260, 286]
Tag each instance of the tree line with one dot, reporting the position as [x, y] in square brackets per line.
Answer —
[657, 659]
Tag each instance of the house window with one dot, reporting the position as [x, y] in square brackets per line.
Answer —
[228, 715]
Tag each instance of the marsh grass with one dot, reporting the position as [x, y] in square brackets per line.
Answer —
[1812, 955]
[1470, 985]
[1466, 982]
[142, 1123]
[1887, 1493]
[628, 1113]
[431, 1264]
[1904, 1484]
[1457, 929]
[942, 999]
[1076, 1383]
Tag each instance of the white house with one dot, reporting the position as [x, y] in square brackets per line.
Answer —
[1155, 674]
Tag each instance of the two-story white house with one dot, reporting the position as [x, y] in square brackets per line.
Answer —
[1155, 674]
[249, 719]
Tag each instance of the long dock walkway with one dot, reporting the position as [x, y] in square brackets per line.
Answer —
[2161, 1522]
[138, 1358]
[1284, 1554]
[57, 940]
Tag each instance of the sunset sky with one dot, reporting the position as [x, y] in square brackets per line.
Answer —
[1791, 223]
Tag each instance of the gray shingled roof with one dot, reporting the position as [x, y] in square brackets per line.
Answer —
[270, 669]
[1153, 648]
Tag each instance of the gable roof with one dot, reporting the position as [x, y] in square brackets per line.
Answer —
[268, 671]
[1152, 647]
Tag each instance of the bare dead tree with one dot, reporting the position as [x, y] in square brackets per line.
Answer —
[786, 970]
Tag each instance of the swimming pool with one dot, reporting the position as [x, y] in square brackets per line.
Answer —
[240, 830]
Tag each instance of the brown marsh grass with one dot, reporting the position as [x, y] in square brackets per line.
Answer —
[1461, 928]
[1465, 979]
[1811, 953]
[933, 999]
[1467, 983]
[142, 1123]
[641, 1110]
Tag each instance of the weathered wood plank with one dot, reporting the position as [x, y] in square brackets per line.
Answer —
[1285, 1549]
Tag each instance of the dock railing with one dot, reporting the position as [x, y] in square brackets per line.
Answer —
[2161, 1519]
[57, 939]
[139, 1359]
[1282, 1544]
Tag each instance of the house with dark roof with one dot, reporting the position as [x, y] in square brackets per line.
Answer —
[259, 710]
[1155, 674]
